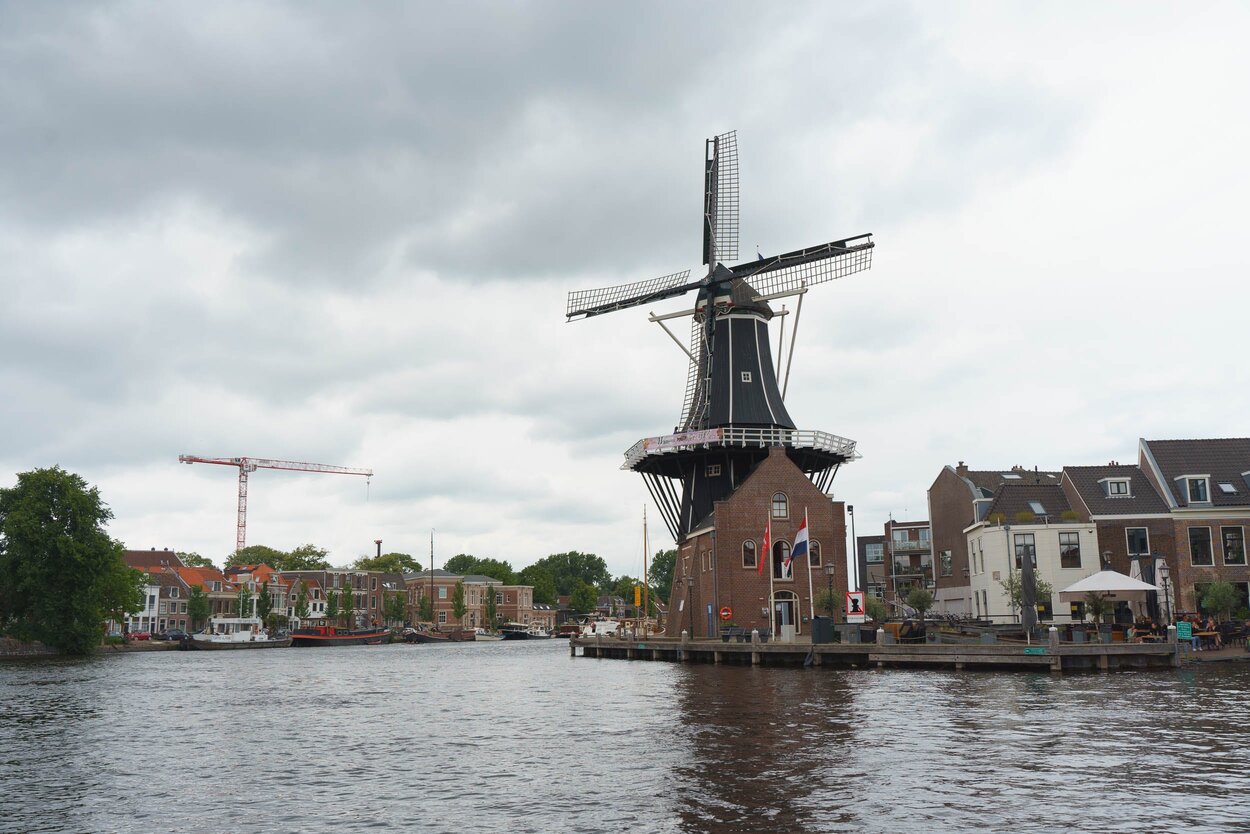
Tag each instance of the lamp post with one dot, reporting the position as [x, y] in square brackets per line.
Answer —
[829, 569]
[1164, 576]
[1106, 560]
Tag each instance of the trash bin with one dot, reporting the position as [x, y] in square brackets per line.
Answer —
[822, 630]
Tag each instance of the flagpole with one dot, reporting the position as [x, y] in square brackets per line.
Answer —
[811, 600]
[771, 612]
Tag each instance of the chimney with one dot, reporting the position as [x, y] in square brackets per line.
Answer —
[961, 470]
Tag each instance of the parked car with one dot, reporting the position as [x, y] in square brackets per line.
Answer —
[139, 635]
[170, 634]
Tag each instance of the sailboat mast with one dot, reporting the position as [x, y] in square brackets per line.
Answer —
[646, 586]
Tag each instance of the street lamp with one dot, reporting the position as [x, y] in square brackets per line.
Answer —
[829, 569]
[1164, 576]
[1106, 560]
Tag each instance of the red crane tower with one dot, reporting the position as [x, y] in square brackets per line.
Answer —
[246, 465]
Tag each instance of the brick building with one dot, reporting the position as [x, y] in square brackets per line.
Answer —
[513, 603]
[718, 563]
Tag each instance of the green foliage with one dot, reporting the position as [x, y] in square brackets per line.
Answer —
[400, 563]
[243, 602]
[921, 599]
[301, 603]
[1070, 515]
[541, 580]
[195, 560]
[458, 608]
[1013, 585]
[1026, 517]
[198, 608]
[583, 598]
[1097, 606]
[256, 554]
[394, 609]
[876, 609]
[464, 564]
[996, 518]
[660, 573]
[332, 606]
[571, 569]
[264, 604]
[304, 557]
[1220, 598]
[347, 604]
[492, 610]
[425, 610]
[827, 601]
[60, 573]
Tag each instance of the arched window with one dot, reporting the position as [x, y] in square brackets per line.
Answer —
[814, 554]
[781, 552]
[748, 554]
[781, 505]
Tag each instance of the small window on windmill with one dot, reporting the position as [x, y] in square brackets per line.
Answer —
[713, 470]
[746, 376]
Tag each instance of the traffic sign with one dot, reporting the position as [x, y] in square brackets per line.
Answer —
[855, 607]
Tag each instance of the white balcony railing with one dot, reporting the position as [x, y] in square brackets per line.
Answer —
[731, 437]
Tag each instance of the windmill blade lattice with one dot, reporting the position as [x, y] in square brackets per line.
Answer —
[694, 404]
[806, 267]
[595, 302]
[720, 202]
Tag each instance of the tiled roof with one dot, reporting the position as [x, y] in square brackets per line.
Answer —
[149, 560]
[1224, 459]
[1141, 500]
[200, 576]
[1011, 499]
[986, 481]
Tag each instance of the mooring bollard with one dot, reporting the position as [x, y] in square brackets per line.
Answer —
[755, 635]
[685, 636]
[1053, 634]
[881, 637]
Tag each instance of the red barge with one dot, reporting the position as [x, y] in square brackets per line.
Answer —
[331, 636]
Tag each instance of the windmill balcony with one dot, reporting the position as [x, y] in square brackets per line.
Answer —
[733, 436]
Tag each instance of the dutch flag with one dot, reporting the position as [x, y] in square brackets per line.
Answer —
[800, 543]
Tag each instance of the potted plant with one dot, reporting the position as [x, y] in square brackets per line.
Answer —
[1097, 605]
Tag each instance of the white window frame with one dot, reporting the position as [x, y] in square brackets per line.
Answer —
[785, 506]
[1128, 546]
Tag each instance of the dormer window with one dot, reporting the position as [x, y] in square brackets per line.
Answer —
[1196, 489]
[1117, 488]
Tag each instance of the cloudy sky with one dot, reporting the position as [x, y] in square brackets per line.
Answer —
[344, 233]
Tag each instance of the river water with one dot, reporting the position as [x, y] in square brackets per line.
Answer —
[519, 737]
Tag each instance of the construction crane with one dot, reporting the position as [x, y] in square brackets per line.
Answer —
[248, 465]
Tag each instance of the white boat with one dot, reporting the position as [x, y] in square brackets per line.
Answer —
[235, 633]
[602, 625]
[482, 635]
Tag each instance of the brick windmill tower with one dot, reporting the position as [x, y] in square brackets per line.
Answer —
[736, 461]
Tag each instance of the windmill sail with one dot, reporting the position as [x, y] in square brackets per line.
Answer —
[587, 303]
[720, 200]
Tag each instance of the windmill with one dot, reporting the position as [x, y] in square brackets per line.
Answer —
[733, 410]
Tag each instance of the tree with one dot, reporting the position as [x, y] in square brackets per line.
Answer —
[1097, 606]
[264, 604]
[121, 590]
[920, 599]
[60, 573]
[661, 573]
[394, 609]
[1220, 598]
[464, 564]
[301, 603]
[425, 609]
[623, 587]
[256, 554]
[305, 557]
[570, 569]
[332, 606]
[458, 608]
[583, 598]
[492, 609]
[876, 609]
[1013, 585]
[541, 580]
[827, 601]
[243, 602]
[347, 604]
[400, 563]
[195, 560]
[197, 607]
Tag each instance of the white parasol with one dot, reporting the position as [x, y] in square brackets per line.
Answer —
[1109, 584]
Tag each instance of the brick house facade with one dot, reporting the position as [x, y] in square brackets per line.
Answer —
[718, 564]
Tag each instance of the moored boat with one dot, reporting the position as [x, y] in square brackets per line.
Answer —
[521, 631]
[481, 635]
[422, 633]
[333, 636]
[225, 633]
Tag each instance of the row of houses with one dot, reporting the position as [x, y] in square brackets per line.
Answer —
[375, 597]
[1177, 517]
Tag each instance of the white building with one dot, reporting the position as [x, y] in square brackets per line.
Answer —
[1033, 521]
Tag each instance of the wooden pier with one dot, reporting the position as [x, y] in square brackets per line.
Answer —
[1055, 657]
